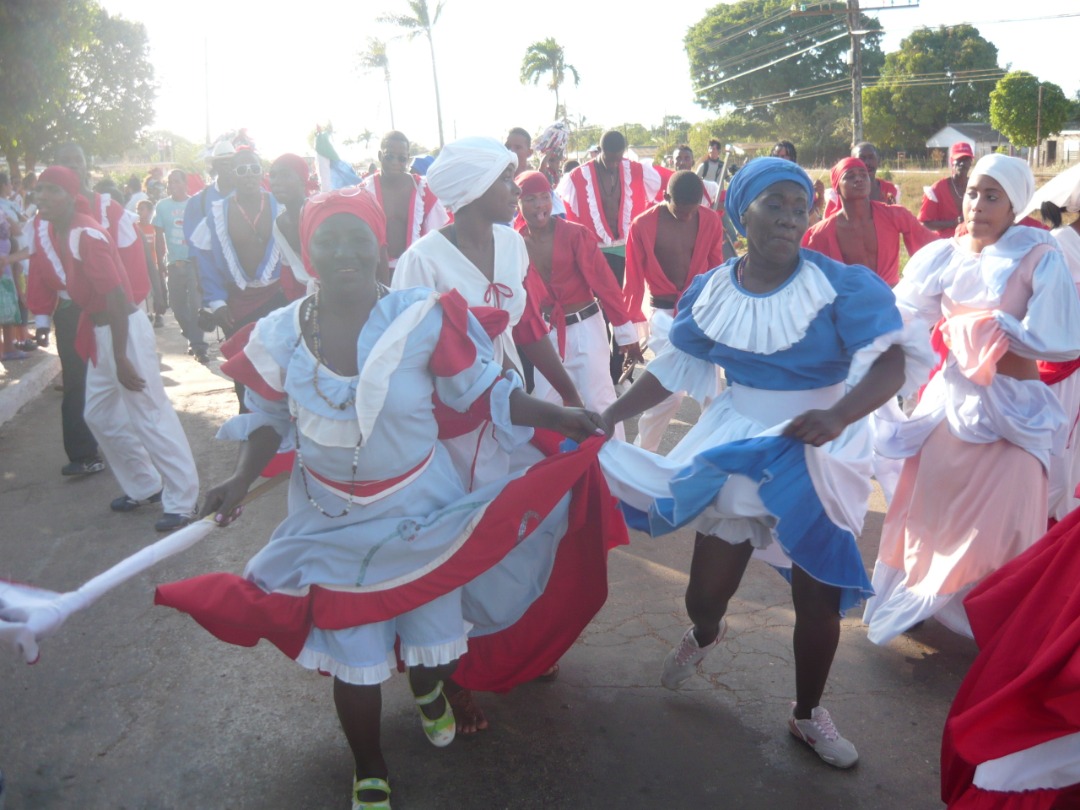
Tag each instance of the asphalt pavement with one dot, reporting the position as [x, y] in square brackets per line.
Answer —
[134, 706]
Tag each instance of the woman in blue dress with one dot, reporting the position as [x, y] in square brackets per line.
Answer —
[381, 541]
[780, 463]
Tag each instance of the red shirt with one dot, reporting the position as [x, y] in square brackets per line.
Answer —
[642, 266]
[120, 224]
[891, 223]
[944, 208]
[579, 274]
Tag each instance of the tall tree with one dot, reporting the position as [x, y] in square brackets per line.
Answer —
[69, 71]
[421, 22]
[374, 58]
[1024, 115]
[938, 76]
[543, 57]
[737, 56]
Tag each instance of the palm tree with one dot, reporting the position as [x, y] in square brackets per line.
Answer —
[547, 57]
[421, 22]
[374, 58]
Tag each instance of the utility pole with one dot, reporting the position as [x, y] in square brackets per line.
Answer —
[1038, 127]
[856, 71]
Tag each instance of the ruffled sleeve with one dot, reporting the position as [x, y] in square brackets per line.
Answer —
[868, 323]
[1048, 330]
[468, 380]
[918, 295]
[687, 367]
[258, 357]
[263, 413]
[865, 308]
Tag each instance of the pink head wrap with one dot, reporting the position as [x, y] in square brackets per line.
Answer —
[353, 200]
[845, 165]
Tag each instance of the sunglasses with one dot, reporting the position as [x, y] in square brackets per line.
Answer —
[245, 169]
[397, 158]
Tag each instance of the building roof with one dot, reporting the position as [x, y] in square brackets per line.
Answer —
[974, 133]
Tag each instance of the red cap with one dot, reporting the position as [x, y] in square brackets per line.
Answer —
[960, 149]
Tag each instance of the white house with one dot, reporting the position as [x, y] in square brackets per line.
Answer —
[983, 138]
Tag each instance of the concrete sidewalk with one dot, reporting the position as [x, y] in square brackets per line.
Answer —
[22, 381]
[133, 706]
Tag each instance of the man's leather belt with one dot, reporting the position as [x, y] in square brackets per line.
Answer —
[581, 314]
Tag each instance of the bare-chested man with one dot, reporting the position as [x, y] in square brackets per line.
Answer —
[411, 208]
[604, 195]
[240, 263]
[880, 190]
[519, 141]
[567, 274]
[668, 246]
[866, 231]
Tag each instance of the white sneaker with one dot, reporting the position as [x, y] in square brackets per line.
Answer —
[820, 734]
[683, 661]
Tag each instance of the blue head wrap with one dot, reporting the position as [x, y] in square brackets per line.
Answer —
[754, 178]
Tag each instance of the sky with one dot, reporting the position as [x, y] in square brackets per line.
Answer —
[280, 74]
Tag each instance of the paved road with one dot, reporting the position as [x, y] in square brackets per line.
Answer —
[133, 706]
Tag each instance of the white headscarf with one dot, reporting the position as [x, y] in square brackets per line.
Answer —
[465, 169]
[1014, 176]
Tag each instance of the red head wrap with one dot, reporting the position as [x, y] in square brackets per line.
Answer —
[63, 177]
[533, 183]
[296, 163]
[845, 165]
[353, 200]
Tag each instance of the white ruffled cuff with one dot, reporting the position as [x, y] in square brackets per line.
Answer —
[358, 676]
[678, 371]
[436, 655]
[507, 434]
[238, 428]
[919, 357]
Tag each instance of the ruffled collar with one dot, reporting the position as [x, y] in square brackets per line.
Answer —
[979, 279]
[264, 273]
[380, 348]
[762, 324]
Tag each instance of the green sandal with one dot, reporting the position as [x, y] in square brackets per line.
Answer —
[360, 785]
[442, 729]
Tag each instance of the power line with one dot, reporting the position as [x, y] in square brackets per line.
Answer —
[832, 88]
[771, 47]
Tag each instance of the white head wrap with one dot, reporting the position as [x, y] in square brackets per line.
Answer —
[465, 169]
[1072, 202]
[1014, 176]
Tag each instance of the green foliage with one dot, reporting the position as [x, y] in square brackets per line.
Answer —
[70, 71]
[735, 38]
[805, 99]
[1016, 111]
[543, 57]
[927, 84]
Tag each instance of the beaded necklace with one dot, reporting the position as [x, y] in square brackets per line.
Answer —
[303, 477]
[312, 317]
[740, 266]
